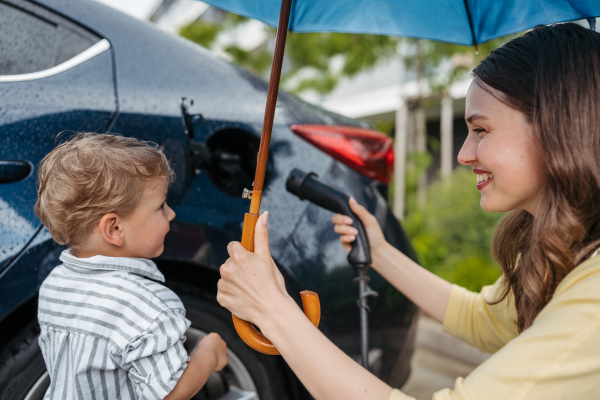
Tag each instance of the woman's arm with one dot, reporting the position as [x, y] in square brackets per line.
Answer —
[428, 291]
[251, 287]
[326, 371]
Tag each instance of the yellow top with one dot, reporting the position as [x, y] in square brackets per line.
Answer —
[558, 357]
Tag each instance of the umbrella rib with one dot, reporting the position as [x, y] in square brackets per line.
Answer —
[471, 24]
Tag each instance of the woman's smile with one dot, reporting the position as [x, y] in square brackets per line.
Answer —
[483, 178]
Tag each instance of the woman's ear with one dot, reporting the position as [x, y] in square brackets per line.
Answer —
[111, 229]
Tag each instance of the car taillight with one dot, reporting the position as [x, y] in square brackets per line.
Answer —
[367, 151]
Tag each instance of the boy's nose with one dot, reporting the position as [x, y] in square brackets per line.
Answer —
[170, 213]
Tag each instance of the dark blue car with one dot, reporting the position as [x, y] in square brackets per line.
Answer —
[76, 65]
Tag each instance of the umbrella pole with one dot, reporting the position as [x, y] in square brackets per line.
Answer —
[310, 300]
[265, 138]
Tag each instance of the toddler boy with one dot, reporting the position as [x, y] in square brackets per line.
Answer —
[108, 330]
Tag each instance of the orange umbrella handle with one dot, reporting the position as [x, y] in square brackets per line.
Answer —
[253, 338]
[248, 333]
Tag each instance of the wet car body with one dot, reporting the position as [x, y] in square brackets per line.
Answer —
[141, 83]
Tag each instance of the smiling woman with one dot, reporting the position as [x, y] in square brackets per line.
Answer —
[533, 112]
[541, 141]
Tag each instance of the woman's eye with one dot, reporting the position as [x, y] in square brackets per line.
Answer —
[478, 131]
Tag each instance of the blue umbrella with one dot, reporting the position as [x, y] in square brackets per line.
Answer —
[456, 21]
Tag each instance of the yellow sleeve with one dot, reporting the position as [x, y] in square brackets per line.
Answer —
[470, 317]
[555, 358]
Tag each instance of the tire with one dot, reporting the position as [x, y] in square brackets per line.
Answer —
[246, 367]
[22, 366]
[248, 376]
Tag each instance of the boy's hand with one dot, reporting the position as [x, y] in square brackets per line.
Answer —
[210, 355]
[214, 343]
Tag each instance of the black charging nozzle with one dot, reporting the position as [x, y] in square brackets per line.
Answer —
[308, 186]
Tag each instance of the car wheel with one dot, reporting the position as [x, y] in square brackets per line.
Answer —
[22, 370]
[249, 375]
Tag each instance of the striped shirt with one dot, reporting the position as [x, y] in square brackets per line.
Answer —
[107, 332]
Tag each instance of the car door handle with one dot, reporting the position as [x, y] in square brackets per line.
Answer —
[14, 170]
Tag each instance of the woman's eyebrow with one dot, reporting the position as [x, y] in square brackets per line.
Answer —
[473, 117]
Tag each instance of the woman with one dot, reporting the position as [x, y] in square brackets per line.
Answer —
[533, 112]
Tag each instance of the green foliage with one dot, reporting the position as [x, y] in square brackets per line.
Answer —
[203, 33]
[257, 61]
[452, 234]
[416, 165]
[316, 50]
[430, 55]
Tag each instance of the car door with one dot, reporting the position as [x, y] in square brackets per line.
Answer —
[56, 78]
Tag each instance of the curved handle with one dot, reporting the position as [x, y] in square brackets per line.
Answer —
[253, 338]
[247, 332]
[308, 186]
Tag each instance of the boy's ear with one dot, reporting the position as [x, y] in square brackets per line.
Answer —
[111, 229]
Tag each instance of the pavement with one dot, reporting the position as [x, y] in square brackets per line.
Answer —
[438, 360]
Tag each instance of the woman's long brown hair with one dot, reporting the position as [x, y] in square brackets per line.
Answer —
[552, 75]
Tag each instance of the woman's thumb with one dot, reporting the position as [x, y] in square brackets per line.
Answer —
[261, 236]
[359, 210]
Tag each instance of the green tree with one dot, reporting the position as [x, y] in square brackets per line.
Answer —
[312, 52]
[443, 64]
[310, 56]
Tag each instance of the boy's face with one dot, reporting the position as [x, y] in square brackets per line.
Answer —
[146, 227]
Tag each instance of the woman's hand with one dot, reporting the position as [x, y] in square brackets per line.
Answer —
[251, 283]
[348, 233]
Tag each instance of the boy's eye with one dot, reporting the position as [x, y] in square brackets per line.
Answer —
[162, 206]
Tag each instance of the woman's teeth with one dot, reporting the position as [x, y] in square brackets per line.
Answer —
[483, 177]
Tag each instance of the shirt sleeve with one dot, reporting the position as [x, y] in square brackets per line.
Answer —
[155, 360]
[470, 317]
[555, 358]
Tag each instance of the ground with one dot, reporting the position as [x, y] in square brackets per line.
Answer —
[438, 360]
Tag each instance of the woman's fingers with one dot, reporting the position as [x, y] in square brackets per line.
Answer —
[347, 239]
[342, 227]
[345, 230]
[340, 219]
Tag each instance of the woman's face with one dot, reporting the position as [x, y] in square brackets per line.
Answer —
[501, 149]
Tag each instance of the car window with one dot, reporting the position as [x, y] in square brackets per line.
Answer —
[33, 39]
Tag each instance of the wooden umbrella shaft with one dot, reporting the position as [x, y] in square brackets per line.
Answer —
[267, 128]
[310, 300]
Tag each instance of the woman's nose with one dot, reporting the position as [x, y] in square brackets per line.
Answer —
[468, 152]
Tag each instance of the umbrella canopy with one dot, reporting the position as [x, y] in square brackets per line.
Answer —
[456, 21]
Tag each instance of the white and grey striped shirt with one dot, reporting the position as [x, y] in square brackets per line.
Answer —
[107, 332]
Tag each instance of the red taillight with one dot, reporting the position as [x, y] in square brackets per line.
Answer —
[367, 151]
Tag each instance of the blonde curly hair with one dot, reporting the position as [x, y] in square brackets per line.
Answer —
[92, 175]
